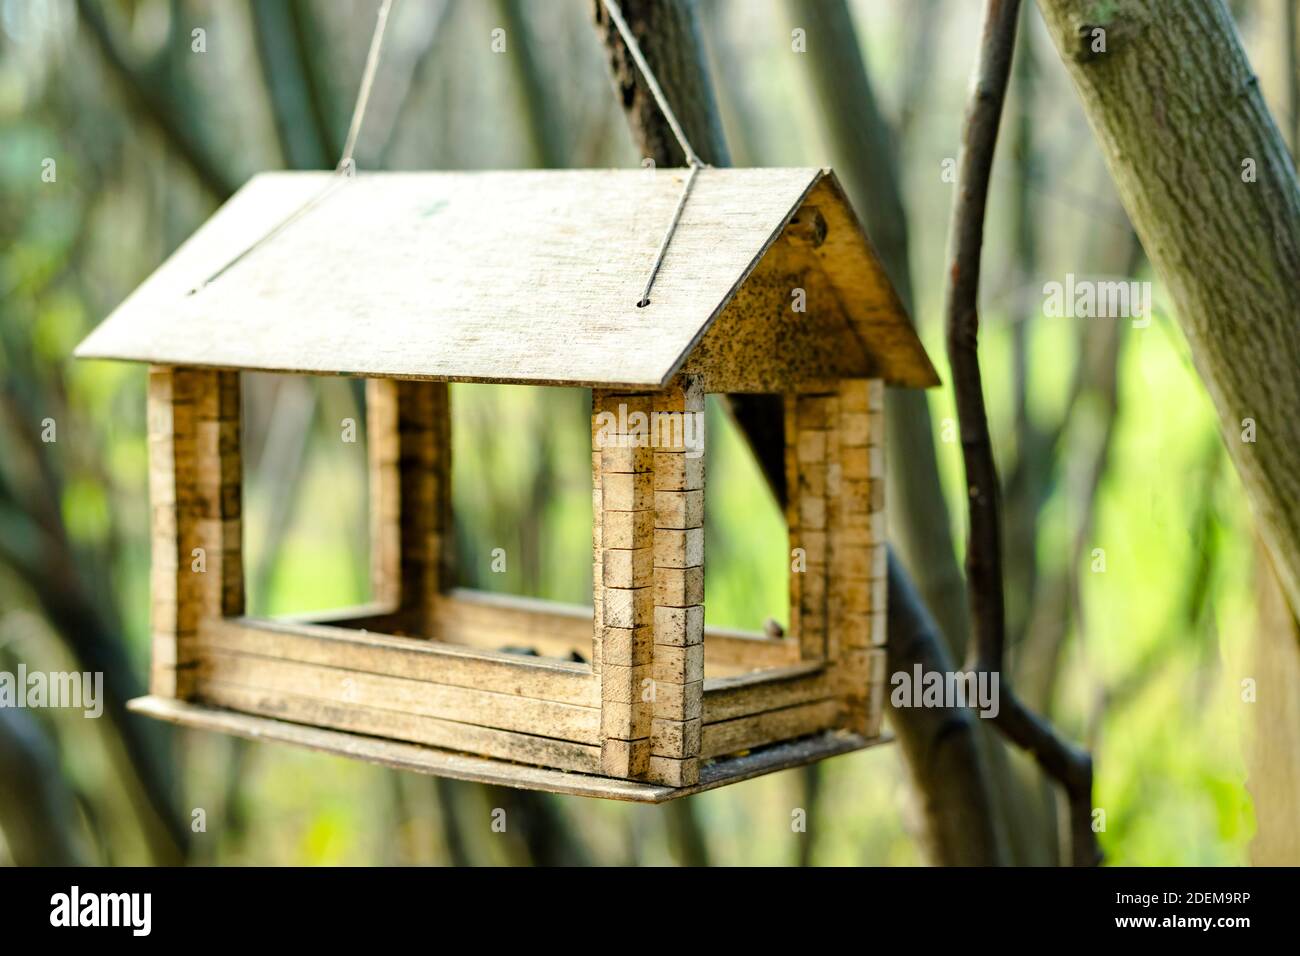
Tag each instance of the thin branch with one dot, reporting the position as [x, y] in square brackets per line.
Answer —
[940, 745]
[1068, 765]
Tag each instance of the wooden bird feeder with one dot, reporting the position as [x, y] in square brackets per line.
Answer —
[414, 280]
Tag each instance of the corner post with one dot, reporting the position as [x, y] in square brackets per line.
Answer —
[858, 558]
[678, 666]
[195, 492]
[623, 577]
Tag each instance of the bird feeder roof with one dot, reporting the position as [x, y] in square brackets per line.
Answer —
[523, 277]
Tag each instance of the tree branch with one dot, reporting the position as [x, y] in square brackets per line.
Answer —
[940, 745]
[1069, 766]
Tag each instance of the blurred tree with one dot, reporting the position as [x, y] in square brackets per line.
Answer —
[1212, 192]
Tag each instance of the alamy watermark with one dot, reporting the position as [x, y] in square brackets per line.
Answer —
[133, 911]
[1098, 299]
[74, 689]
[682, 431]
[921, 688]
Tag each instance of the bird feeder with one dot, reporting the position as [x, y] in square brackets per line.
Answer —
[415, 280]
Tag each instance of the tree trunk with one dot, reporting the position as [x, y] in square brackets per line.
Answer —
[1273, 761]
[1211, 190]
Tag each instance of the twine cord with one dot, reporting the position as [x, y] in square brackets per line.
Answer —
[692, 160]
[346, 168]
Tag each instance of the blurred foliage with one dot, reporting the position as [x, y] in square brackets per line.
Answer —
[1156, 645]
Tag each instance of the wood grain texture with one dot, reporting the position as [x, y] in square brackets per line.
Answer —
[783, 327]
[408, 658]
[416, 758]
[857, 583]
[173, 621]
[484, 708]
[727, 698]
[398, 725]
[812, 465]
[768, 727]
[624, 597]
[556, 631]
[195, 504]
[677, 667]
[496, 277]
[408, 432]
[868, 298]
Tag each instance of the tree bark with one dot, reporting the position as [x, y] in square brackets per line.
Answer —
[1181, 122]
[940, 744]
[1273, 764]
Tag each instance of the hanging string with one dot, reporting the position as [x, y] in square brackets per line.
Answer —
[346, 168]
[692, 160]
[347, 164]
[668, 237]
[615, 14]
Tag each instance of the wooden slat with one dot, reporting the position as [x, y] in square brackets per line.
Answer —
[447, 734]
[746, 733]
[345, 686]
[742, 696]
[431, 661]
[418, 758]
[372, 616]
[728, 651]
[484, 620]
[811, 467]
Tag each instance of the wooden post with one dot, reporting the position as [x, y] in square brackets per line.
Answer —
[623, 580]
[408, 427]
[195, 493]
[808, 436]
[858, 583]
[678, 651]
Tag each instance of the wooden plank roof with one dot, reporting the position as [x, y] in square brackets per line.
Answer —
[529, 277]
